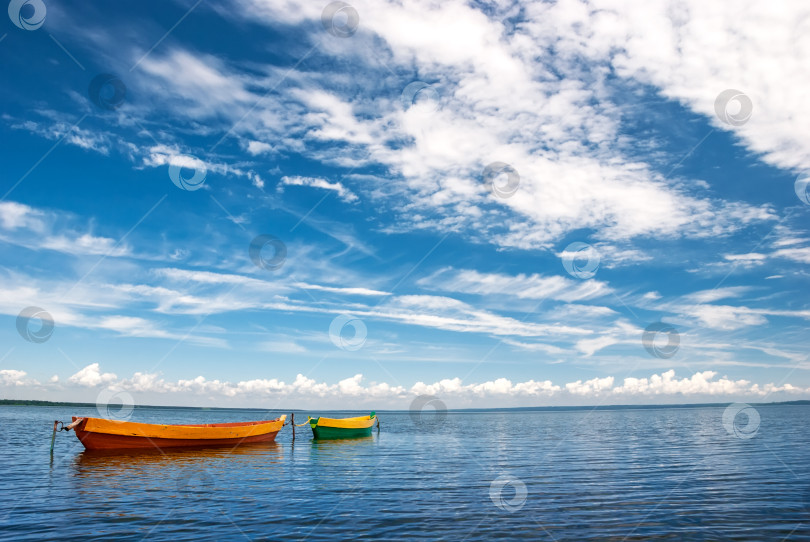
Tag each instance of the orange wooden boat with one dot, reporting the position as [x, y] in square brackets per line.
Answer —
[101, 434]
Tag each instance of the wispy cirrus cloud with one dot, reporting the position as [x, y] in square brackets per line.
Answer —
[534, 286]
[317, 182]
[38, 229]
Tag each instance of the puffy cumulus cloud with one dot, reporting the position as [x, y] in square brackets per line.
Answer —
[302, 386]
[702, 383]
[450, 390]
[590, 388]
[453, 387]
[14, 377]
[92, 376]
[258, 147]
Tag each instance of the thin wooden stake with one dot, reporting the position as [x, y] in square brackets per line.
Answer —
[53, 437]
[292, 422]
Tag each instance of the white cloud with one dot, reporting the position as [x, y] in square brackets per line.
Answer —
[800, 255]
[38, 229]
[454, 315]
[15, 215]
[502, 98]
[285, 347]
[591, 388]
[590, 346]
[449, 390]
[701, 383]
[86, 244]
[316, 182]
[535, 286]
[160, 155]
[14, 377]
[68, 132]
[339, 290]
[726, 317]
[258, 147]
[202, 80]
[748, 260]
[708, 296]
[91, 376]
[694, 52]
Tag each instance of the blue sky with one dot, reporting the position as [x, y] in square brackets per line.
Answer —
[486, 202]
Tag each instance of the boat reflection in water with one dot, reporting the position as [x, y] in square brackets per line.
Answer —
[340, 451]
[193, 483]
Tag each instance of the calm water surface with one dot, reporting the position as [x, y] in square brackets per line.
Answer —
[664, 474]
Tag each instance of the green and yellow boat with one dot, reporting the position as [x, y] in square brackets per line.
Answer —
[337, 428]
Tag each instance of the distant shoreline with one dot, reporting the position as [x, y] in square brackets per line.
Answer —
[22, 402]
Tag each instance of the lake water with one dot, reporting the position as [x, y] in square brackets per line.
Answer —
[662, 474]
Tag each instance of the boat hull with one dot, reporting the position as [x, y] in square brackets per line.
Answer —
[100, 441]
[342, 428]
[339, 432]
[100, 434]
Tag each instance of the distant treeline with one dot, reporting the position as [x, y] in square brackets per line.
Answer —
[23, 402]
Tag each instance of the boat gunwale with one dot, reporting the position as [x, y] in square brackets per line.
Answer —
[359, 422]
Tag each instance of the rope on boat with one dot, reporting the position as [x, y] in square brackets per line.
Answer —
[305, 423]
[60, 426]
